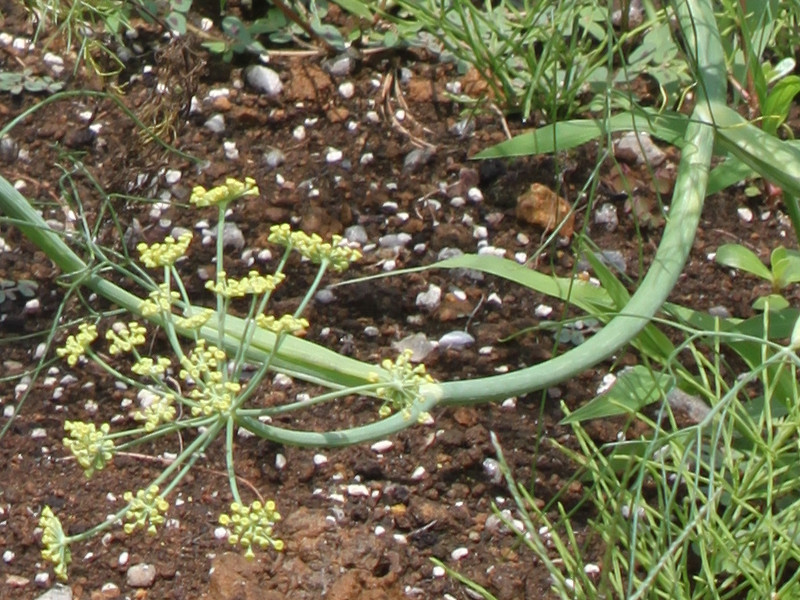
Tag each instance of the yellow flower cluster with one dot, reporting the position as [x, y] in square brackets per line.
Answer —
[123, 337]
[203, 364]
[56, 547]
[314, 248]
[146, 507]
[91, 448]
[231, 190]
[76, 345]
[403, 386]
[254, 283]
[147, 367]
[159, 301]
[287, 324]
[164, 254]
[252, 525]
[159, 410]
[195, 321]
[214, 398]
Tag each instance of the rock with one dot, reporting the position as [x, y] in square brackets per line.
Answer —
[356, 234]
[419, 345]
[274, 158]
[215, 123]
[541, 206]
[430, 299]
[456, 340]
[339, 66]
[141, 575]
[638, 148]
[17, 581]
[264, 79]
[57, 592]
[606, 216]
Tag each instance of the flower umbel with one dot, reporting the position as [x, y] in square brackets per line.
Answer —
[160, 300]
[124, 337]
[147, 367]
[231, 190]
[403, 386]
[254, 283]
[76, 345]
[164, 254]
[92, 448]
[56, 548]
[147, 509]
[287, 324]
[156, 410]
[336, 252]
[252, 525]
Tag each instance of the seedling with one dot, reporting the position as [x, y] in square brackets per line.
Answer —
[783, 271]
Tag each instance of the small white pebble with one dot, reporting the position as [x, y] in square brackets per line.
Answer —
[337, 498]
[231, 152]
[41, 579]
[419, 473]
[474, 194]
[39, 433]
[485, 350]
[366, 158]
[347, 89]
[358, 490]
[400, 539]
[220, 533]
[438, 571]
[333, 155]
[8, 411]
[459, 553]
[380, 530]
[124, 557]
[172, 176]
[480, 232]
[745, 214]
[509, 403]
[591, 569]
[320, 459]
[299, 133]
[542, 311]
[8, 556]
[400, 115]
[382, 446]
[280, 461]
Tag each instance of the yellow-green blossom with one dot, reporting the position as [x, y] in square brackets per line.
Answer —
[195, 321]
[159, 301]
[164, 254]
[203, 364]
[287, 323]
[147, 367]
[76, 345]
[214, 398]
[254, 283]
[336, 252]
[124, 337]
[147, 509]
[403, 386]
[56, 546]
[252, 525]
[231, 190]
[157, 410]
[92, 448]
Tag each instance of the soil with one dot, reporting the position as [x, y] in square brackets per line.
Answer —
[339, 544]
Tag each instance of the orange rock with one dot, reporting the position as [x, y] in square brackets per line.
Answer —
[543, 207]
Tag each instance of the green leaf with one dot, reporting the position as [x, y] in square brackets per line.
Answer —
[181, 6]
[785, 266]
[779, 101]
[564, 135]
[634, 389]
[730, 172]
[739, 257]
[356, 8]
[176, 22]
[772, 303]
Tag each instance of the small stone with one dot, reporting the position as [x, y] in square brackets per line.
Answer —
[41, 579]
[280, 461]
[220, 533]
[274, 158]
[109, 591]
[17, 581]
[543, 311]
[382, 446]
[347, 90]
[379, 530]
[456, 340]
[492, 470]
[8, 555]
[57, 592]
[231, 151]
[430, 299]
[638, 148]
[124, 557]
[417, 158]
[264, 79]
[606, 216]
[142, 575]
[419, 345]
[172, 176]
[394, 240]
[475, 194]
[745, 214]
[419, 473]
[459, 553]
[215, 123]
[357, 490]
[356, 234]
[333, 155]
[339, 66]
[542, 207]
[320, 459]
[299, 133]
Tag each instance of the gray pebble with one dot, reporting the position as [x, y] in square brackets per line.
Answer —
[57, 592]
[356, 234]
[264, 79]
[274, 158]
[140, 576]
[456, 340]
[216, 123]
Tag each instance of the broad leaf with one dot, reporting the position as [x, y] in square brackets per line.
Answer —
[739, 257]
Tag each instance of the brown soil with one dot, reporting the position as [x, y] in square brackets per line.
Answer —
[334, 548]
